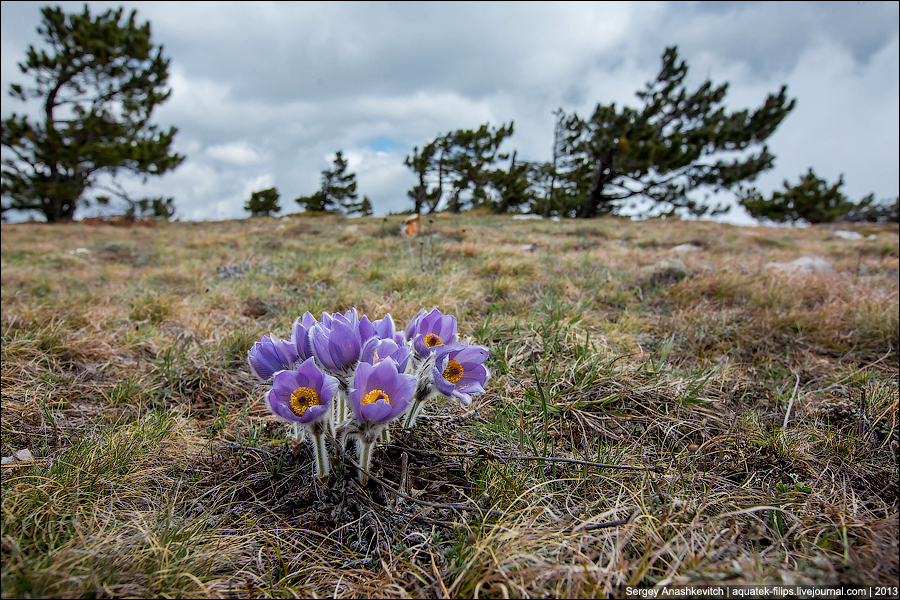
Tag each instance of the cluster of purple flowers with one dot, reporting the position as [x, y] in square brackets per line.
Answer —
[347, 374]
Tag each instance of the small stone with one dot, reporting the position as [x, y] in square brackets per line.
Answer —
[806, 264]
[24, 455]
[847, 235]
[686, 248]
[666, 271]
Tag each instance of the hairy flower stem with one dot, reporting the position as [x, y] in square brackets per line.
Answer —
[339, 409]
[365, 445]
[423, 395]
[409, 417]
[329, 423]
[342, 406]
[322, 464]
[364, 458]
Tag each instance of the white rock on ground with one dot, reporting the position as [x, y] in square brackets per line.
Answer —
[806, 264]
[24, 455]
[686, 249]
[672, 269]
[847, 235]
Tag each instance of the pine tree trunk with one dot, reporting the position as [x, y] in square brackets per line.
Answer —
[597, 202]
[420, 193]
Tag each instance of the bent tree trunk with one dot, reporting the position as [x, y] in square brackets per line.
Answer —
[61, 198]
[60, 212]
[419, 198]
[597, 202]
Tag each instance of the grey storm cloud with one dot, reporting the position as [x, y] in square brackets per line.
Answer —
[265, 93]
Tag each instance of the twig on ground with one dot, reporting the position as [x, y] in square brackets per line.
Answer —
[787, 415]
[465, 416]
[593, 526]
[236, 446]
[487, 453]
[652, 469]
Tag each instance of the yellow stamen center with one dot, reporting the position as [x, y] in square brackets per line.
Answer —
[374, 396]
[302, 399]
[453, 372]
[432, 340]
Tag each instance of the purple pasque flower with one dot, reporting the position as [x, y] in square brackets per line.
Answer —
[386, 330]
[429, 330]
[328, 318]
[301, 395]
[300, 335]
[435, 327]
[410, 331]
[380, 393]
[376, 352]
[336, 346]
[270, 355]
[350, 317]
[367, 329]
[459, 372]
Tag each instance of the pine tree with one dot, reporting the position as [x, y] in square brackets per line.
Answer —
[454, 165]
[99, 82]
[338, 191]
[314, 203]
[263, 203]
[870, 210]
[512, 187]
[678, 141]
[423, 164]
[811, 200]
[339, 186]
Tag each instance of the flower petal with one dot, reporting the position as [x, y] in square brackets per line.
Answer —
[466, 399]
[377, 412]
[471, 355]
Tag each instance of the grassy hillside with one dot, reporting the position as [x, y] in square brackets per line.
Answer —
[758, 409]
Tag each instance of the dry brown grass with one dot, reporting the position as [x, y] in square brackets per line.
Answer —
[766, 405]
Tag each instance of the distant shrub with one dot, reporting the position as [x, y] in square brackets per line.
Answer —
[871, 211]
[811, 200]
[814, 201]
[263, 203]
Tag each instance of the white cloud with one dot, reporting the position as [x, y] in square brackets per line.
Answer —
[382, 177]
[235, 153]
[834, 129]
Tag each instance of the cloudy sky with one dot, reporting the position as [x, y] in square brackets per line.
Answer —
[264, 93]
